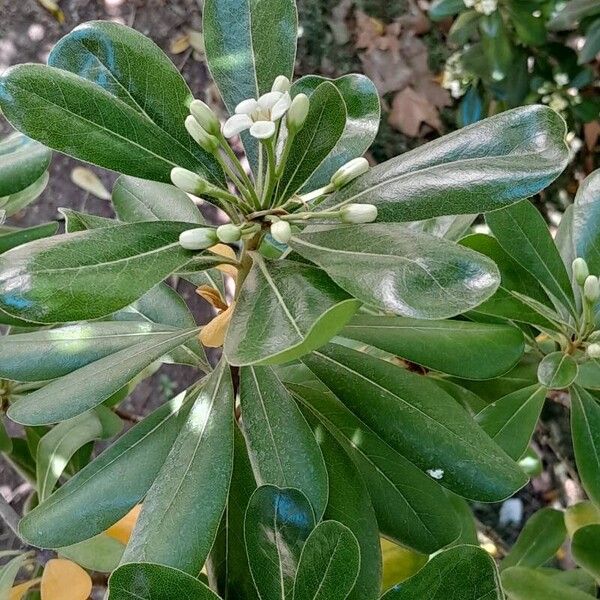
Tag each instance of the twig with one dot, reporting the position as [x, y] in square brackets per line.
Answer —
[127, 416]
[493, 535]
[9, 515]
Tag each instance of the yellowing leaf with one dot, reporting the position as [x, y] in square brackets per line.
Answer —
[179, 44]
[213, 333]
[90, 182]
[212, 296]
[64, 580]
[53, 8]
[399, 563]
[227, 252]
[18, 591]
[121, 530]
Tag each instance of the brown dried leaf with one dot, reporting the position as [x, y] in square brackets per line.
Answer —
[213, 333]
[212, 296]
[410, 110]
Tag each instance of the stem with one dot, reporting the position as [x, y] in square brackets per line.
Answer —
[285, 154]
[305, 216]
[245, 193]
[271, 174]
[259, 183]
[238, 165]
[245, 262]
[9, 515]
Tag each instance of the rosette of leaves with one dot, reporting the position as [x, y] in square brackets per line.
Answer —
[319, 389]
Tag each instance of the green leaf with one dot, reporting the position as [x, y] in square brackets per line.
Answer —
[323, 128]
[22, 162]
[539, 540]
[502, 159]
[585, 548]
[131, 67]
[573, 11]
[77, 221]
[190, 491]
[522, 232]
[88, 274]
[278, 522]
[585, 431]
[420, 421]
[592, 43]
[363, 111]
[138, 200]
[147, 581]
[588, 374]
[100, 553]
[9, 572]
[460, 572]
[77, 117]
[531, 30]
[521, 583]
[281, 445]
[111, 485]
[411, 507]
[227, 565]
[469, 400]
[51, 353]
[442, 9]
[305, 309]
[58, 446]
[557, 370]
[329, 563]
[92, 384]
[349, 503]
[511, 420]
[586, 221]
[18, 237]
[460, 348]
[13, 203]
[415, 275]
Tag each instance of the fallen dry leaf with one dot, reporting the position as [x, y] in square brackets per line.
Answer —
[410, 110]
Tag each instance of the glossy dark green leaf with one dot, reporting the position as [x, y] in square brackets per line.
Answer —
[460, 348]
[420, 421]
[22, 162]
[57, 447]
[363, 112]
[539, 540]
[142, 200]
[586, 221]
[281, 445]
[92, 384]
[88, 274]
[105, 490]
[502, 159]
[349, 503]
[77, 117]
[227, 565]
[147, 581]
[522, 583]
[13, 203]
[323, 128]
[450, 227]
[460, 572]
[585, 547]
[51, 353]
[100, 553]
[523, 234]
[469, 400]
[557, 370]
[585, 431]
[17, 237]
[190, 491]
[592, 43]
[303, 309]
[248, 45]
[572, 13]
[329, 563]
[588, 374]
[134, 69]
[415, 275]
[410, 506]
[468, 533]
[496, 45]
[530, 29]
[511, 420]
[278, 522]
[441, 9]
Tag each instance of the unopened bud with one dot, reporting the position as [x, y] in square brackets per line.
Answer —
[591, 289]
[189, 182]
[351, 170]
[593, 350]
[206, 117]
[580, 270]
[229, 233]
[204, 139]
[281, 231]
[297, 112]
[281, 84]
[358, 213]
[198, 239]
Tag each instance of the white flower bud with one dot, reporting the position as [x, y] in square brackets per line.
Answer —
[593, 351]
[229, 233]
[198, 239]
[204, 139]
[189, 182]
[281, 231]
[591, 289]
[298, 112]
[206, 117]
[351, 170]
[281, 84]
[580, 270]
[358, 213]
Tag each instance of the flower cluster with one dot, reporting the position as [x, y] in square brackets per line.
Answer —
[589, 287]
[485, 7]
[456, 78]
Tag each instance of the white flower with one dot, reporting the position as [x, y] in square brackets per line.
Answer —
[487, 7]
[259, 116]
[561, 79]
